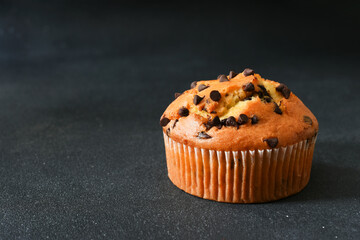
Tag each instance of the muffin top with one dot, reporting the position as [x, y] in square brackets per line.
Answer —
[238, 112]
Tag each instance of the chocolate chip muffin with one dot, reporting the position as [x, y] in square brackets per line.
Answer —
[239, 139]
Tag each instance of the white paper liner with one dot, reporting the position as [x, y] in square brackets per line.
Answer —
[240, 176]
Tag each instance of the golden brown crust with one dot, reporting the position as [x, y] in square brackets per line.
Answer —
[292, 126]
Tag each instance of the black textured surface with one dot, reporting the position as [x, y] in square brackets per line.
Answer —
[82, 88]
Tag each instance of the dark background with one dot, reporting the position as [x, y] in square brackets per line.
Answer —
[82, 88]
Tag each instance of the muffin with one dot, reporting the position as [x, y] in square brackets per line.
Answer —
[239, 139]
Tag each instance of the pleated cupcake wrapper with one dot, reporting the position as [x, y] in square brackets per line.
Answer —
[240, 176]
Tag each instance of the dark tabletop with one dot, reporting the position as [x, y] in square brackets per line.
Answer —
[82, 88]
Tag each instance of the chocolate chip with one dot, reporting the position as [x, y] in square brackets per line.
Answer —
[307, 120]
[193, 84]
[213, 123]
[202, 87]
[164, 121]
[248, 72]
[249, 87]
[232, 74]
[262, 87]
[248, 98]
[277, 109]
[177, 95]
[223, 78]
[272, 142]
[217, 122]
[168, 132]
[280, 87]
[223, 122]
[231, 121]
[285, 91]
[197, 99]
[183, 112]
[254, 119]
[203, 135]
[175, 123]
[267, 99]
[215, 96]
[242, 119]
[263, 91]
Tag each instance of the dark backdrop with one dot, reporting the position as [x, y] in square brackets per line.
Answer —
[82, 88]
